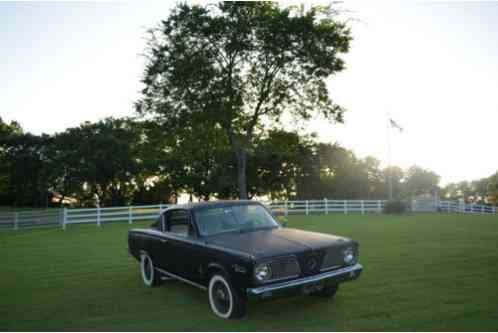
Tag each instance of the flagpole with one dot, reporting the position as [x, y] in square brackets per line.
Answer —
[390, 171]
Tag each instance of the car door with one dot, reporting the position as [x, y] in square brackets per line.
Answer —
[161, 244]
[181, 246]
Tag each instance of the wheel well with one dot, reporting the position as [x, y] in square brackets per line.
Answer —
[214, 268]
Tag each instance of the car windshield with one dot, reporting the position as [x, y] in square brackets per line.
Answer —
[216, 220]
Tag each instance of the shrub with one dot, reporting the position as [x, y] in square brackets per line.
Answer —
[394, 207]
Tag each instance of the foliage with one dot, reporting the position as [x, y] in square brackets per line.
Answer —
[23, 172]
[229, 66]
[484, 190]
[394, 207]
[279, 165]
[419, 181]
[121, 161]
[97, 161]
[492, 188]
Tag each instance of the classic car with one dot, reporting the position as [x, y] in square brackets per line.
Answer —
[236, 250]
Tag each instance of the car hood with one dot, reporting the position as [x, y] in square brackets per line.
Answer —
[275, 242]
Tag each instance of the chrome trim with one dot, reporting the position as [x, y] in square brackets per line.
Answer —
[309, 279]
[280, 279]
[169, 236]
[329, 268]
[174, 276]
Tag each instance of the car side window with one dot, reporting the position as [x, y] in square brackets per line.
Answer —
[178, 223]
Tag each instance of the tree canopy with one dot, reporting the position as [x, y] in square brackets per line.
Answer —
[123, 161]
[233, 64]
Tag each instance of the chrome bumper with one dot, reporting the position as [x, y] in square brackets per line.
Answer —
[334, 276]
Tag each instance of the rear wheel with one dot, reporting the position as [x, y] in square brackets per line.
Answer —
[226, 302]
[150, 275]
[327, 291]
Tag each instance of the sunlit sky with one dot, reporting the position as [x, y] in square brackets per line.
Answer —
[433, 67]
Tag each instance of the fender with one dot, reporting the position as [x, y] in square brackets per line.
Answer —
[217, 266]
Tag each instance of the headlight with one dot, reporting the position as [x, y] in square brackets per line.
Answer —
[349, 256]
[262, 272]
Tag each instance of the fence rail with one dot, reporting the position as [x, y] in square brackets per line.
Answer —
[65, 217]
[457, 207]
[327, 206]
[110, 214]
[31, 219]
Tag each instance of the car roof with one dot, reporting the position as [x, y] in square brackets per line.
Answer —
[217, 203]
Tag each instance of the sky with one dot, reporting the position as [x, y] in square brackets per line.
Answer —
[430, 66]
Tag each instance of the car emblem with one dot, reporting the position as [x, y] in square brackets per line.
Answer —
[312, 264]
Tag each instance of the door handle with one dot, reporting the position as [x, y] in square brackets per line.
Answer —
[164, 240]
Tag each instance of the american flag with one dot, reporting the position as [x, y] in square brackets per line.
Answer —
[395, 125]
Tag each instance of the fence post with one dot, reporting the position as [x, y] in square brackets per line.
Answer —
[326, 206]
[379, 206]
[307, 209]
[160, 208]
[64, 218]
[345, 206]
[98, 216]
[286, 208]
[362, 207]
[129, 214]
[16, 221]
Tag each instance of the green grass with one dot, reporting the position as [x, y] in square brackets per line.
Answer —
[421, 272]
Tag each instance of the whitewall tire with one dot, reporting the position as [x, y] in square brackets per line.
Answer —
[225, 301]
[150, 276]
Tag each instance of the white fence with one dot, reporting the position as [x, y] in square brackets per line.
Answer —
[111, 214]
[460, 207]
[326, 206]
[65, 217]
[31, 219]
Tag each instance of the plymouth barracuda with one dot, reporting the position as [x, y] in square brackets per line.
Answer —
[236, 250]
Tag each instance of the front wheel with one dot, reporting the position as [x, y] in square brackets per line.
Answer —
[150, 275]
[225, 301]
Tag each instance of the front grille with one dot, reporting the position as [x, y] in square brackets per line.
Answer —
[284, 268]
[311, 262]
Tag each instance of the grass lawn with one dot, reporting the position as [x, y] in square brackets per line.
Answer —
[421, 272]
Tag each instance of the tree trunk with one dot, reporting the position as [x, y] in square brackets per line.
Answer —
[241, 173]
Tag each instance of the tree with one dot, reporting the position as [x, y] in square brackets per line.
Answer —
[98, 161]
[231, 65]
[279, 162]
[200, 162]
[420, 181]
[7, 132]
[492, 188]
[344, 175]
[25, 173]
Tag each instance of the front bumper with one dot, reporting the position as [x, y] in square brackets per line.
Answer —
[331, 277]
